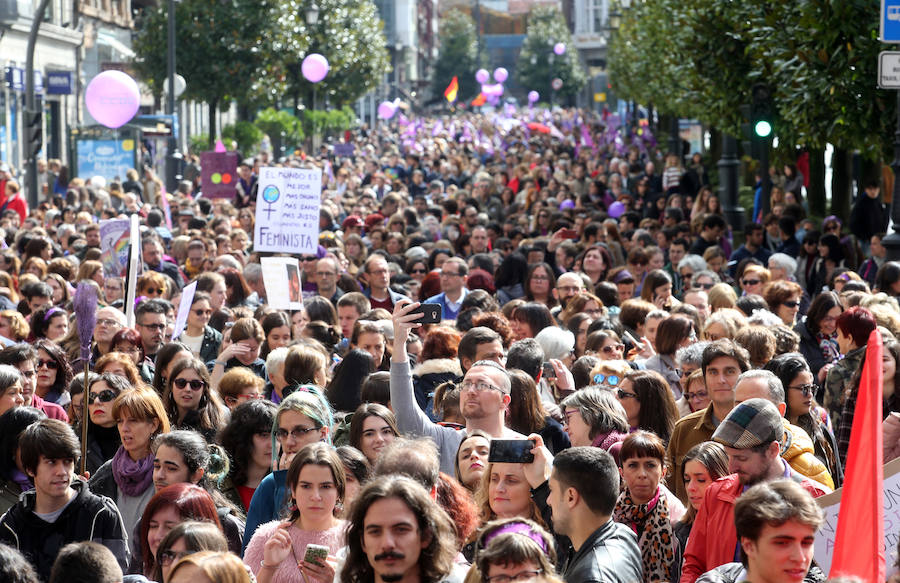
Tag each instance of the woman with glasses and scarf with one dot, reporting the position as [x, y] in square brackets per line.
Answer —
[190, 402]
[103, 434]
[53, 373]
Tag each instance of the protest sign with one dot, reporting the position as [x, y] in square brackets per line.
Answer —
[218, 174]
[114, 241]
[345, 150]
[831, 504]
[287, 210]
[184, 308]
[281, 278]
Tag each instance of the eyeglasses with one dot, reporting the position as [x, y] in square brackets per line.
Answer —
[706, 286]
[168, 557]
[420, 270]
[158, 327]
[203, 312]
[611, 380]
[697, 395]
[297, 432]
[50, 364]
[751, 282]
[155, 290]
[326, 273]
[540, 278]
[311, 258]
[196, 384]
[791, 304]
[609, 348]
[806, 390]
[106, 322]
[478, 386]
[520, 577]
[626, 395]
[103, 396]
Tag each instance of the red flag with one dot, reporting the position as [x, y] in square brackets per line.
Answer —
[480, 100]
[451, 90]
[859, 544]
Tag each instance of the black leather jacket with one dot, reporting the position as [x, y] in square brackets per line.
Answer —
[609, 555]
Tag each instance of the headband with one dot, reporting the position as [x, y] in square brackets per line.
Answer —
[50, 312]
[516, 528]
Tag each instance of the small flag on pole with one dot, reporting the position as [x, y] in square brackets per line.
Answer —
[480, 100]
[451, 90]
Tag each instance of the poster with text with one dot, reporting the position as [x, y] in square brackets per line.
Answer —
[114, 243]
[287, 210]
[281, 278]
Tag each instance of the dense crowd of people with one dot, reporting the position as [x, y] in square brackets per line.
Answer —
[687, 387]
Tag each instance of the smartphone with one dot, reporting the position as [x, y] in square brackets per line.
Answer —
[629, 337]
[511, 451]
[315, 554]
[549, 372]
[569, 234]
[432, 313]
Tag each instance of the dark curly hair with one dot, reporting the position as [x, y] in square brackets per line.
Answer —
[247, 419]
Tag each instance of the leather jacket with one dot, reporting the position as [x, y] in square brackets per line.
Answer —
[609, 555]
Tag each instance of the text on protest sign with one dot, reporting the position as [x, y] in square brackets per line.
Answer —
[287, 210]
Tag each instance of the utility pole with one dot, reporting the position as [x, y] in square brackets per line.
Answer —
[32, 112]
[173, 157]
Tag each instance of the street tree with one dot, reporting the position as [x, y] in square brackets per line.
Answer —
[457, 55]
[538, 65]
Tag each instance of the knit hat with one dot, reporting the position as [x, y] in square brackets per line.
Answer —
[754, 422]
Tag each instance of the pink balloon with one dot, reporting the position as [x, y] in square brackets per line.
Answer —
[500, 74]
[112, 98]
[482, 76]
[616, 210]
[386, 110]
[559, 48]
[533, 96]
[314, 67]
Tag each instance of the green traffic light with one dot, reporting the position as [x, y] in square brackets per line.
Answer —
[763, 128]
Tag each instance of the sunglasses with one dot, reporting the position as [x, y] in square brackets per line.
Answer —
[195, 384]
[706, 286]
[50, 364]
[611, 380]
[751, 281]
[313, 258]
[418, 271]
[791, 304]
[103, 396]
[805, 390]
[203, 312]
[626, 395]
[612, 347]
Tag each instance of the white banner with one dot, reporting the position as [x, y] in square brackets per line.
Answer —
[281, 278]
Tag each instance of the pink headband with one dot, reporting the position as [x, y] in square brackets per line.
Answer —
[517, 528]
[50, 313]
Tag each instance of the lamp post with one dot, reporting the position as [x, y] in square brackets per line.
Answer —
[892, 241]
[312, 19]
[173, 156]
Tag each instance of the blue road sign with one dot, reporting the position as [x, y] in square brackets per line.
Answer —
[890, 21]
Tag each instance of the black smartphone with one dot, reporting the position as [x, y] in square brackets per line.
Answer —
[511, 451]
[432, 313]
[549, 372]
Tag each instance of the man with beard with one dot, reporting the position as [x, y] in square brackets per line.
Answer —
[484, 396]
[397, 533]
[752, 434]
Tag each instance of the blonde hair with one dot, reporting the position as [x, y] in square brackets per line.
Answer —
[721, 296]
[216, 566]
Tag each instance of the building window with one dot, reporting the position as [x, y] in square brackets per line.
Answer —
[598, 16]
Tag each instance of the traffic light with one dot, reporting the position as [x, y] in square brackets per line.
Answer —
[34, 133]
[761, 111]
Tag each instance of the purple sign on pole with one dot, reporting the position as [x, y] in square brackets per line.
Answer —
[218, 174]
[344, 150]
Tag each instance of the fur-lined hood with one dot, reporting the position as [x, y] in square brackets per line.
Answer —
[438, 366]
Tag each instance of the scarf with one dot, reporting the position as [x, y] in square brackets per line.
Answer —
[132, 477]
[21, 480]
[656, 539]
[829, 346]
[606, 440]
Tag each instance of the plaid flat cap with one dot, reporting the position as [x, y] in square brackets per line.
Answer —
[754, 422]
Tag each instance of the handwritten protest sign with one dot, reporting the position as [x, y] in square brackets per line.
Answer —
[114, 242]
[831, 504]
[184, 308]
[287, 210]
[281, 278]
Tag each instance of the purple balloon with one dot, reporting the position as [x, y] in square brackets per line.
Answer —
[112, 98]
[616, 210]
[533, 96]
[500, 74]
[386, 110]
[559, 48]
[567, 204]
[315, 67]
[482, 76]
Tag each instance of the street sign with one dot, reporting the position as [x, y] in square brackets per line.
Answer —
[889, 69]
[890, 21]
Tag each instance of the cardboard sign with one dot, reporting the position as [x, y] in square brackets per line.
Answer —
[218, 174]
[287, 210]
[281, 278]
[344, 150]
[184, 309]
[114, 244]
[831, 504]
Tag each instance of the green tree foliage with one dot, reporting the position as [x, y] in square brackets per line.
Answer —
[457, 56]
[349, 34]
[245, 133]
[538, 65]
[700, 58]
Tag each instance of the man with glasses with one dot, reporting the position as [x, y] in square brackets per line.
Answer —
[23, 357]
[568, 286]
[378, 277]
[454, 272]
[109, 321]
[327, 273]
[483, 401]
[152, 251]
[798, 450]
[151, 322]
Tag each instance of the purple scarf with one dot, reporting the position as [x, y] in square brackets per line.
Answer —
[22, 480]
[132, 477]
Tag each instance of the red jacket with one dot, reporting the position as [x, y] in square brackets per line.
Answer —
[17, 203]
[713, 539]
[52, 410]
